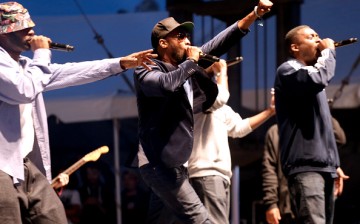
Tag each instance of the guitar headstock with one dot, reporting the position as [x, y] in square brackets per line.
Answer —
[94, 155]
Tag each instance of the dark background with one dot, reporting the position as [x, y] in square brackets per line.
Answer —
[69, 142]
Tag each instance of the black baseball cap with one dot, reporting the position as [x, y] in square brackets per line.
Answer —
[165, 26]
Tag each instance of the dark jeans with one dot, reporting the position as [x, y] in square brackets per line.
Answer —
[214, 192]
[312, 195]
[30, 201]
[172, 195]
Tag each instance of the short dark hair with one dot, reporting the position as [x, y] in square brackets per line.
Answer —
[291, 36]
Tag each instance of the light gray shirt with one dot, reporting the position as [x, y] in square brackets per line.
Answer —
[211, 151]
[24, 82]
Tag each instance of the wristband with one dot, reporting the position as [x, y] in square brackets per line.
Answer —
[255, 10]
[259, 18]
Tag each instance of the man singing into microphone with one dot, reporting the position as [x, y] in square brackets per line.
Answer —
[25, 172]
[309, 154]
[168, 96]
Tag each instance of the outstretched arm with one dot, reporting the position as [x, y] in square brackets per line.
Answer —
[258, 119]
[138, 59]
[263, 7]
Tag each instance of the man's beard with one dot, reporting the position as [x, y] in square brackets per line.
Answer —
[317, 55]
[179, 56]
[27, 46]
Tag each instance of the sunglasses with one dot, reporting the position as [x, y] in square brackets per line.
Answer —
[182, 36]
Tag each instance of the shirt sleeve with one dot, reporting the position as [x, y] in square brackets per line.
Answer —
[221, 99]
[270, 162]
[300, 80]
[21, 81]
[156, 83]
[237, 127]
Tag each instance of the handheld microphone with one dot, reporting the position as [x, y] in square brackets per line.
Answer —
[61, 47]
[234, 61]
[209, 57]
[345, 42]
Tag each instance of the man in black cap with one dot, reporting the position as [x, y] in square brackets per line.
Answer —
[167, 97]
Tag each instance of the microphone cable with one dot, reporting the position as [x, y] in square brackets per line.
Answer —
[344, 82]
[100, 41]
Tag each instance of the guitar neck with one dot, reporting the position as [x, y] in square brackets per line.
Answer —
[92, 156]
[74, 167]
[71, 169]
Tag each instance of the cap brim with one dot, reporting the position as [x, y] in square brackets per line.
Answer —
[189, 26]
